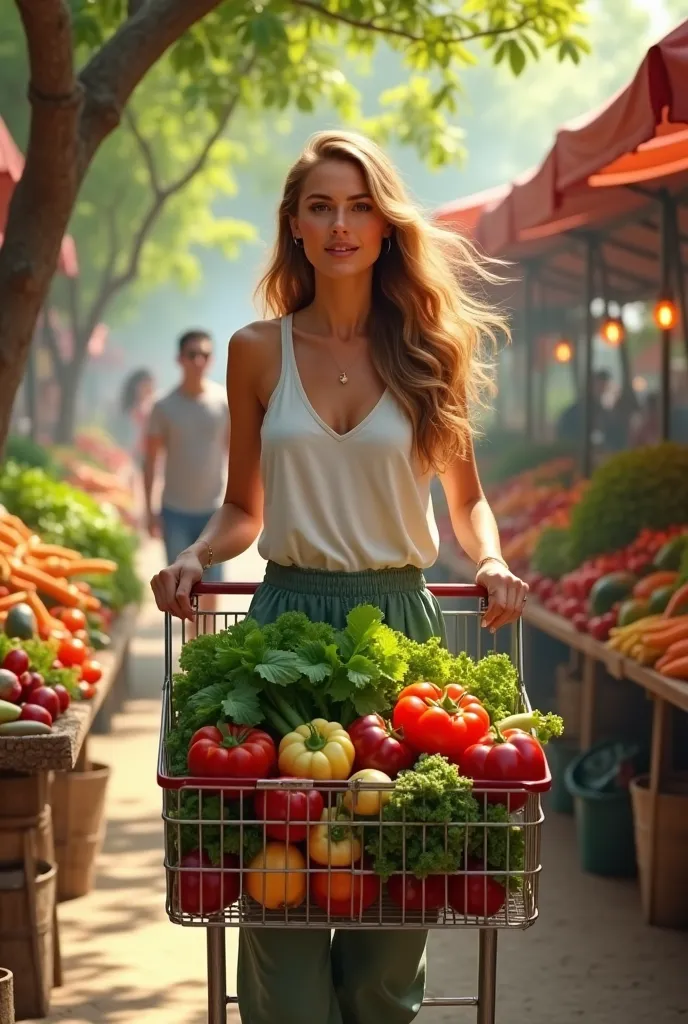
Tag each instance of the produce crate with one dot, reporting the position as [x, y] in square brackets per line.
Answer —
[273, 877]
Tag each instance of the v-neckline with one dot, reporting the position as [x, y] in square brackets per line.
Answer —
[309, 405]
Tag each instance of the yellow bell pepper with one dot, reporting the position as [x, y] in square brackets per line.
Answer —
[333, 842]
[319, 750]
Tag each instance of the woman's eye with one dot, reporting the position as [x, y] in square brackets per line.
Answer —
[362, 207]
[319, 207]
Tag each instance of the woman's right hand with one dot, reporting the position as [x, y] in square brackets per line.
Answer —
[172, 586]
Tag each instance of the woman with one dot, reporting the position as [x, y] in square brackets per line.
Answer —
[136, 400]
[342, 412]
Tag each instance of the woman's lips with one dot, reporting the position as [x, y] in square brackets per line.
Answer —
[340, 253]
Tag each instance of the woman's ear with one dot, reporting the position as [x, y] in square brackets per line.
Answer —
[294, 225]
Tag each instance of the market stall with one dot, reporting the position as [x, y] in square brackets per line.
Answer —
[607, 562]
[603, 217]
[68, 604]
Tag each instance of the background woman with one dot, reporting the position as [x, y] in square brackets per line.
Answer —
[343, 410]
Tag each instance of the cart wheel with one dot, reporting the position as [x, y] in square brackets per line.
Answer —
[487, 976]
[217, 976]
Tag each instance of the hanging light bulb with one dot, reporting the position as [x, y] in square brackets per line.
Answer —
[613, 331]
[563, 353]
[665, 314]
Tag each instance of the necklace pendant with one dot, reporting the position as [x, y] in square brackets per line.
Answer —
[343, 379]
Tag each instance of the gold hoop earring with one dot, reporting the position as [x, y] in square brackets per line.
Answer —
[388, 250]
[298, 242]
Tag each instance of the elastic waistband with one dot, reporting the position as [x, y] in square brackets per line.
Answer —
[323, 583]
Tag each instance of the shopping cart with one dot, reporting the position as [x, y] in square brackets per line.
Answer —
[203, 813]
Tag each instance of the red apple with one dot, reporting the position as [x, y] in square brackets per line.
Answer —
[46, 698]
[17, 661]
[36, 713]
[63, 696]
[10, 687]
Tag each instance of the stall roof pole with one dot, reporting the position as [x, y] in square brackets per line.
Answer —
[586, 462]
[527, 331]
[668, 214]
[681, 285]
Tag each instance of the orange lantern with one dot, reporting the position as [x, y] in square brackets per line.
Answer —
[563, 353]
[665, 314]
[613, 331]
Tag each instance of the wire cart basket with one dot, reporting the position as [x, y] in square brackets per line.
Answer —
[279, 882]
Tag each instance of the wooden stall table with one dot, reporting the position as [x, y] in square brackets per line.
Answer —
[27, 767]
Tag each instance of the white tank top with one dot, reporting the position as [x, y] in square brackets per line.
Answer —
[342, 502]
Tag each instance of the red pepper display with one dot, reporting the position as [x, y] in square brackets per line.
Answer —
[230, 751]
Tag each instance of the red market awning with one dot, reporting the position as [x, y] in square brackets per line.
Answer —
[11, 169]
[464, 214]
[639, 135]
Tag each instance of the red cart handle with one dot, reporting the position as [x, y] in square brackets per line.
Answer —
[229, 589]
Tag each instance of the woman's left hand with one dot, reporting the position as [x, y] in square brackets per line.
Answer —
[506, 594]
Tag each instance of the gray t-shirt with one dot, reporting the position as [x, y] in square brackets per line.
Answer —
[194, 432]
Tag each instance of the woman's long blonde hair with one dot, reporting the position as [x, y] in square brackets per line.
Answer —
[427, 331]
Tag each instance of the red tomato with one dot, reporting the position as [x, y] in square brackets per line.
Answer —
[599, 627]
[580, 622]
[73, 619]
[36, 713]
[445, 724]
[515, 757]
[63, 696]
[207, 892]
[299, 808]
[87, 690]
[46, 697]
[30, 681]
[413, 894]
[232, 752]
[82, 635]
[344, 893]
[10, 688]
[476, 895]
[379, 746]
[16, 661]
[58, 611]
[91, 671]
[72, 652]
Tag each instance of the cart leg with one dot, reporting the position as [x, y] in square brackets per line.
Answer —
[217, 980]
[487, 976]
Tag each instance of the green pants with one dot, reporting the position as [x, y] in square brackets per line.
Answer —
[305, 976]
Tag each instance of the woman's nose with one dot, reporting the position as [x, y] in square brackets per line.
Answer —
[339, 222]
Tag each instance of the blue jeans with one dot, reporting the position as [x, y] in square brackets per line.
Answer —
[180, 530]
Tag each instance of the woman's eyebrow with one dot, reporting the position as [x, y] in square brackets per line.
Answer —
[321, 195]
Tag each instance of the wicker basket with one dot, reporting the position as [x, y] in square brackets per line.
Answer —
[79, 827]
[26, 935]
[667, 905]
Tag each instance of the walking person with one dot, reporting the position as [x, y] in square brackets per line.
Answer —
[190, 428]
[344, 408]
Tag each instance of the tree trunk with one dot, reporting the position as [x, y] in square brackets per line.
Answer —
[70, 383]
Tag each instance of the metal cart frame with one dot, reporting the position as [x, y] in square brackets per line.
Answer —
[520, 911]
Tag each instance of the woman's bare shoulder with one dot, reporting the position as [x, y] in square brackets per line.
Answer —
[260, 333]
[255, 354]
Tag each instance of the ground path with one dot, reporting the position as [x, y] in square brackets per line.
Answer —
[589, 957]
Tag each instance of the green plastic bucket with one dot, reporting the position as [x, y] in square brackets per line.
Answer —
[598, 782]
[560, 753]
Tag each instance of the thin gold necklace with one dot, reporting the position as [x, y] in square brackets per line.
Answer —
[343, 375]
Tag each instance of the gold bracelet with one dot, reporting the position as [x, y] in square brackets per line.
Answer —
[490, 558]
[209, 560]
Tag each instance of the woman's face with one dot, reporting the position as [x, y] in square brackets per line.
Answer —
[144, 390]
[341, 229]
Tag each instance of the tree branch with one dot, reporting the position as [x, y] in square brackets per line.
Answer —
[113, 73]
[400, 33]
[161, 193]
[146, 152]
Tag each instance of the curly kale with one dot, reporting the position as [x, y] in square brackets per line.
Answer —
[294, 629]
[238, 840]
[430, 661]
[436, 804]
[499, 845]
[494, 681]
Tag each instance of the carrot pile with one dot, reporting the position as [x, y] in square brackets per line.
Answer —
[39, 574]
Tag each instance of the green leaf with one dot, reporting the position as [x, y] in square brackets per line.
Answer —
[242, 706]
[369, 701]
[206, 704]
[317, 661]
[517, 57]
[361, 670]
[362, 623]
[279, 667]
[340, 686]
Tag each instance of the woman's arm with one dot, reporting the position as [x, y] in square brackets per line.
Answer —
[476, 531]
[236, 524]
